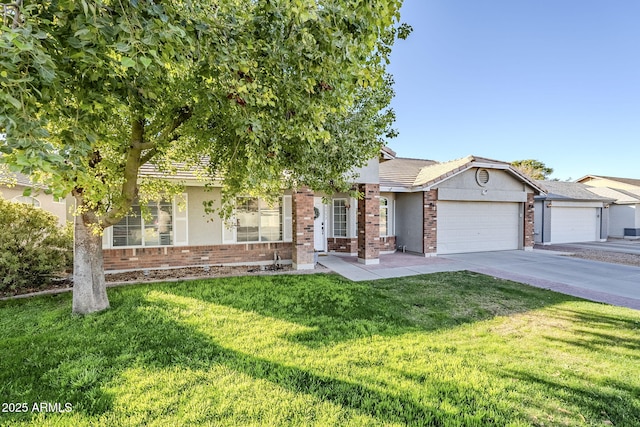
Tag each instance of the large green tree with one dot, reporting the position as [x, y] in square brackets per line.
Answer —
[533, 168]
[263, 93]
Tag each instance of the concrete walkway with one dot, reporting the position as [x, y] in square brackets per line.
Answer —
[597, 281]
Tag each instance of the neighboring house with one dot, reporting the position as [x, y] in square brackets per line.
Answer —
[569, 212]
[624, 213]
[472, 204]
[13, 185]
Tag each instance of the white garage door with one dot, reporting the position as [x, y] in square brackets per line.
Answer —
[573, 225]
[477, 227]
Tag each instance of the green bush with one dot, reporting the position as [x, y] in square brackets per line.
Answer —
[33, 247]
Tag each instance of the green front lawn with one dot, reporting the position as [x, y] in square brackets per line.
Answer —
[442, 349]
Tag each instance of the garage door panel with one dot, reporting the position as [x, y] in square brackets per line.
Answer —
[477, 227]
[573, 225]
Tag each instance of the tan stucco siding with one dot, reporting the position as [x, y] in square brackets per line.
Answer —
[370, 173]
[47, 203]
[204, 228]
[501, 187]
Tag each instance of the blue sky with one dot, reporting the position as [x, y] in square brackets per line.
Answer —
[553, 80]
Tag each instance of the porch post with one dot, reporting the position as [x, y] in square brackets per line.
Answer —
[430, 223]
[369, 224]
[302, 222]
[528, 238]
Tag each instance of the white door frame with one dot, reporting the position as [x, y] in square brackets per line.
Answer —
[319, 225]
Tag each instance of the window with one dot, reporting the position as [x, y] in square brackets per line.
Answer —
[384, 216]
[134, 230]
[339, 218]
[27, 200]
[257, 221]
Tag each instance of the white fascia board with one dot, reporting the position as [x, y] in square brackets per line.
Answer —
[395, 189]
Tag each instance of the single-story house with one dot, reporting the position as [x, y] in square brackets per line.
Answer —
[624, 213]
[13, 185]
[422, 206]
[472, 204]
[181, 233]
[569, 212]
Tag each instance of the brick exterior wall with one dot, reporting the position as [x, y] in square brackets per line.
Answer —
[387, 244]
[369, 223]
[430, 222]
[185, 256]
[528, 239]
[343, 245]
[302, 211]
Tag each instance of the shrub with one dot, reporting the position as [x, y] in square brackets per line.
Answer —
[33, 247]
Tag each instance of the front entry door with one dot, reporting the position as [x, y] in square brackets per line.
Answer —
[319, 225]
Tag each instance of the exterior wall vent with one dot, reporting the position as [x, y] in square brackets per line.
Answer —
[482, 177]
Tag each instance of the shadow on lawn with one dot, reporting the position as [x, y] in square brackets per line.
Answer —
[78, 363]
[340, 310]
[607, 407]
[154, 340]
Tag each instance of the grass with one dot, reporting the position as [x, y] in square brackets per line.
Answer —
[448, 349]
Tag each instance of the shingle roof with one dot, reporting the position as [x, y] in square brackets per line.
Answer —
[563, 190]
[629, 181]
[402, 172]
[413, 173]
[179, 171]
[619, 196]
[15, 178]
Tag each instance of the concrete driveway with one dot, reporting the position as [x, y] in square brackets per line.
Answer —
[615, 284]
[599, 281]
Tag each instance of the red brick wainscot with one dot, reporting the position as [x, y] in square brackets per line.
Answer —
[344, 245]
[187, 256]
[387, 244]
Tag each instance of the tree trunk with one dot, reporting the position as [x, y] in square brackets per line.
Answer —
[89, 286]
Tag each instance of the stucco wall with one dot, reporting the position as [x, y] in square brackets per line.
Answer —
[59, 209]
[501, 187]
[538, 221]
[409, 221]
[369, 174]
[621, 217]
[204, 229]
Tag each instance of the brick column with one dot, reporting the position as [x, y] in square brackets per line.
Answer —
[302, 221]
[430, 222]
[528, 238]
[369, 224]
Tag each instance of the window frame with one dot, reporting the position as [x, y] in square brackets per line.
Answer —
[387, 217]
[262, 205]
[27, 200]
[333, 218]
[143, 227]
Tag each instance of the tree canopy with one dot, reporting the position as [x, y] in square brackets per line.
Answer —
[262, 94]
[533, 168]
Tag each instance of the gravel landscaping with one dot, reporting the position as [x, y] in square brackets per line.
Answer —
[595, 255]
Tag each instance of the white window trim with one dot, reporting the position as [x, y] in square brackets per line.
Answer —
[333, 218]
[21, 199]
[234, 225]
[388, 205]
[143, 246]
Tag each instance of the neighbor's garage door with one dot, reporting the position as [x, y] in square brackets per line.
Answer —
[573, 224]
[477, 226]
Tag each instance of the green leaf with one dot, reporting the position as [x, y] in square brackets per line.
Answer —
[13, 101]
[27, 191]
[127, 62]
[145, 61]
